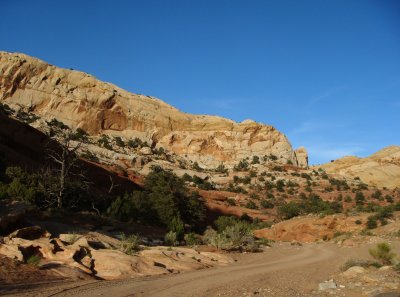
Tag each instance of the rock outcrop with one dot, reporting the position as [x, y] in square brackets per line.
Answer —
[81, 101]
[381, 169]
[302, 157]
[310, 228]
[97, 255]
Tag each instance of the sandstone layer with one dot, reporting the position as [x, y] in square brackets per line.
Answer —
[381, 169]
[81, 101]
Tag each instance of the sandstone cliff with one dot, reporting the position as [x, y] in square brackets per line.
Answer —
[381, 169]
[80, 100]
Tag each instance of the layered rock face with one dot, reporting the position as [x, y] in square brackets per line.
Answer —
[381, 169]
[81, 101]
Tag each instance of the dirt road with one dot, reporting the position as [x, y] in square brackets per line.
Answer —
[283, 270]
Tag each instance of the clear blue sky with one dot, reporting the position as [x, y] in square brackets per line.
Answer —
[326, 73]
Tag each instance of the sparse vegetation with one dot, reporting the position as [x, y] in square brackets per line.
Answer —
[358, 262]
[33, 260]
[314, 204]
[231, 201]
[129, 244]
[371, 222]
[251, 205]
[383, 253]
[256, 160]
[232, 234]
[243, 165]
[171, 238]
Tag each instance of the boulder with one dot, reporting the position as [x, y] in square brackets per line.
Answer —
[354, 271]
[31, 233]
[327, 285]
[113, 264]
[146, 151]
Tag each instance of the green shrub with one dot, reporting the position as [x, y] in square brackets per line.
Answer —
[251, 205]
[129, 244]
[232, 234]
[355, 262]
[104, 141]
[371, 222]
[360, 198]
[267, 204]
[224, 221]
[305, 175]
[159, 151]
[57, 124]
[254, 196]
[134, 143]
[270, 195]
[171, 238]
[280, 184]
[202, 184]
[348, 199]
[273, 157]
[313, 204]
[33, 260]
[176, 225]
[196, 167]
[362, 186]
[243, 165]
[377, 194]
[187, 178]
[383, 253]
[6, 109]
[389, 199]
[215, 239]
[80, 135]
[256, 160]
[278, 168]
[119, 142]
[231, 201]
[222, 169]
[192, 239]
[289, 210]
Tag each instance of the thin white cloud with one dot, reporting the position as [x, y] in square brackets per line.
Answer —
[304, 127]
[322, 97]
[309, 127]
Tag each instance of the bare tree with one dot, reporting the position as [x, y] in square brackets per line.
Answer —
[64, 156]
[112, 185]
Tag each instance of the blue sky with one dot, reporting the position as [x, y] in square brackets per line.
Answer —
[326, 73]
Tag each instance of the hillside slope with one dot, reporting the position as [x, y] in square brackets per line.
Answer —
[80, 100]
[381, 169]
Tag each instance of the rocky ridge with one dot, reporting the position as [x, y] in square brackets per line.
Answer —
[380, 169]
[81, 101]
